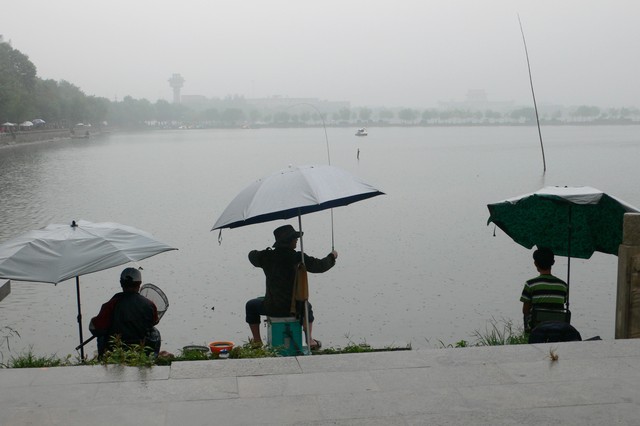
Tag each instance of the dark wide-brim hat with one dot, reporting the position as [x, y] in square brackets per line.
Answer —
[285, 234]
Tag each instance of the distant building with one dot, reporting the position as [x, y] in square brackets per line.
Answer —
[176, 82]
[280, 103]
[197, 102]
[266, 106]
[477, 100]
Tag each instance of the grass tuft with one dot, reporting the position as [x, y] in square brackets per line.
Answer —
[353, 347]
[496, 333]
[29, 360]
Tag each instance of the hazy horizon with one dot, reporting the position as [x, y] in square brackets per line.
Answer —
[373, 53]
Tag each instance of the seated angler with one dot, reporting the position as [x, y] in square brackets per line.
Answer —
[279, 265]
[128, 315]
[544, 291]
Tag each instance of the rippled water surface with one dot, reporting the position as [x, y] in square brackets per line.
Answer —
[418, 265]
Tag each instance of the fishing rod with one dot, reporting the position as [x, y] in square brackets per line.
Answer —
[306, 301]
[324, 126]
[535, 106]
[326, 138]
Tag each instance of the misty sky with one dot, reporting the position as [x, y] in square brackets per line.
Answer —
[410, 53]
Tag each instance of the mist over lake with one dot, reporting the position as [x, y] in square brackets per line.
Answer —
[418, 265]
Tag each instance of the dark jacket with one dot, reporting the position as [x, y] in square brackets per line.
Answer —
[279, 266]
[127, 314]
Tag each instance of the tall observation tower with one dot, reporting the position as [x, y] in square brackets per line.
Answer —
[176, 82]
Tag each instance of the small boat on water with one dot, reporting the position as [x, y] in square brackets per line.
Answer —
[362, 132]
[86, 135]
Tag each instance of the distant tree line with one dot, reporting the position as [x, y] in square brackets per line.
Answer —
[25, 96]
[248, 115]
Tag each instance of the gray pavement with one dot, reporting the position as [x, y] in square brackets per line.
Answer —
[591, 383]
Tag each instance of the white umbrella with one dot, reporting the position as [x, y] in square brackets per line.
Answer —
[26, 124]
[293, 192]
[59, 252]
[8, 124]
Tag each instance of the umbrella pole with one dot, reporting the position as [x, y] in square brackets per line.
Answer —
[79, 318]
[307, 333]
[333, 246]
[569, 258]
[301, 243]
[568, 275]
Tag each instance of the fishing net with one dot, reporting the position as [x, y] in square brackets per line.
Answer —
[157, 296]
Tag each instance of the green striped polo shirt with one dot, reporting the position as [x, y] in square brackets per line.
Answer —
[545, 291]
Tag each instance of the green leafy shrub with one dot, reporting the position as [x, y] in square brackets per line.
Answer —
[251, 350]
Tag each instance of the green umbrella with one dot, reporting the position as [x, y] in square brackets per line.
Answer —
[571, 221]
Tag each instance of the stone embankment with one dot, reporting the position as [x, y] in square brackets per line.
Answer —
[15, 138]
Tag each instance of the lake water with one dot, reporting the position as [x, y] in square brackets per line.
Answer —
[418, 265]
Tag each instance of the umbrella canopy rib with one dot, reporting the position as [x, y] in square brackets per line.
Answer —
[292, 192]
[295, 211]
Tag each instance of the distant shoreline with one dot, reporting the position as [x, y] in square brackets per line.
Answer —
[8, 140]
[372, 124]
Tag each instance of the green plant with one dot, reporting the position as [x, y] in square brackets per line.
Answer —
[251, 350]
[29, 360]
[351, 348]
[140, 356]
[391, 348]
[131, 355]
[494, 335]
[193, 355]
[363, 346]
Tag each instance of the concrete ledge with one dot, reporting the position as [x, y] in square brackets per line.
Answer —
[5, 290]
[590, 383]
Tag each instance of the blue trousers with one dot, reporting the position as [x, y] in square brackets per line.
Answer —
[255, 307]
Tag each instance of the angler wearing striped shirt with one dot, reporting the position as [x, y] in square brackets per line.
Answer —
[544, 291]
